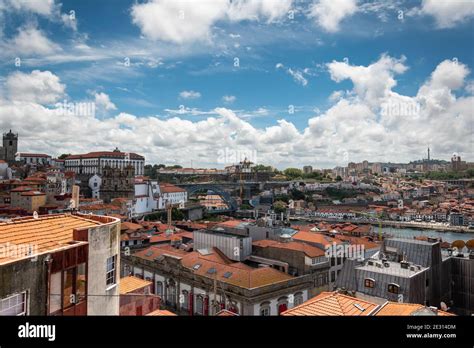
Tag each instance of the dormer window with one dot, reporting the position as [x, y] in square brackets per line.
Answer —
[369, 283]
[393, 288]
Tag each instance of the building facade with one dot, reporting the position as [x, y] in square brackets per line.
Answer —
[191, 283]
[73, 271]
[95, 162]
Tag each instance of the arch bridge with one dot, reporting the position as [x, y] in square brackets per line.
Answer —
[216, 189]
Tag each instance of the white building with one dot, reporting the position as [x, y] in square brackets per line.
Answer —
[173, 195]
[95, 182]
[147, 197]
[94, 162]
[5, 171]
[33, 158]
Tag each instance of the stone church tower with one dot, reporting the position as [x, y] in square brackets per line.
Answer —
[117, 183]
[10, 147]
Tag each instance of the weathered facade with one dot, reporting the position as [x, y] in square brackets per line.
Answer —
[73, 271]
[202, 287]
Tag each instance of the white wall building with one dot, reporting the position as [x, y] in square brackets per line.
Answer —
[33, 158]
[94, 162]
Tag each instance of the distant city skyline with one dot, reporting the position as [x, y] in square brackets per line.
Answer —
[293, 83]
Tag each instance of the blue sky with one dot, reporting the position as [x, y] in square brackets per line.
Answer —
[182, 69]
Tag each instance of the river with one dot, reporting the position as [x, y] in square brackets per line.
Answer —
[446, 236]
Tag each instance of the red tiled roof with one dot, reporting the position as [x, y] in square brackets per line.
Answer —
[111, 154]
[21, 189]
[402, 309]
[130, 284]
[33, 193]
[332, 304]
[169, 188]
[47, 233]
[307, 249]
[314, 237]
[237, 273]
[24, 154]
[161, 313]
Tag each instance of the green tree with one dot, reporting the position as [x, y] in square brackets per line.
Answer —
[293, 173]
[262, 168]
[279, 207]
[338, 178]
[296, 194]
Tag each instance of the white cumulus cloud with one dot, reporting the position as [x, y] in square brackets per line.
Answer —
[189, 95]
[42, 87]
[328, 14]
[102, 100]
[447, 14]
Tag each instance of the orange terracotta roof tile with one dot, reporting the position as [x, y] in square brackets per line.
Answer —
[169, 188]
[130, 284]
[130, 226]
[332, 304]
[111, 154]
[226, 313]
[44, 234]
[314, 237]
[161, 313]
[215, 266]
[401, 309]
[307, 249]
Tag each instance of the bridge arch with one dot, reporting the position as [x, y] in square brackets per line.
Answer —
[226, 197]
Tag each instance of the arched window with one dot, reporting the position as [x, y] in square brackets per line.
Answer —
[369, 283]
[200, 304]
[265, 309]
[184, 300]
[171, 292]
[159, 288]
[298, 299]
[282, 304]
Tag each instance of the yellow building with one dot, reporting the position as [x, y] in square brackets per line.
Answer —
[32, 200]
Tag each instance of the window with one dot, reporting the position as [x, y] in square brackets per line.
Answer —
[333, 276]
[369, 283]
[265, 309]
[184, 300]
[333, 261]
[81, 282]
[171, 292]
[111, 271]
[159, 288]
[14, 304]
[68, 288]
[298, 299]
[393, 288]
[200, 304]
[282, 304]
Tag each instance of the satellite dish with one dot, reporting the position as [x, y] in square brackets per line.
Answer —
[443, 306]
[35, 215]
[72, 204]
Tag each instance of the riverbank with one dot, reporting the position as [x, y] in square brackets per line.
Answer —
[396, 224]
